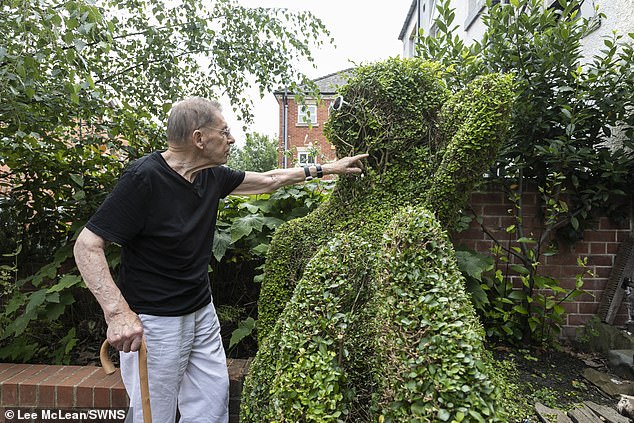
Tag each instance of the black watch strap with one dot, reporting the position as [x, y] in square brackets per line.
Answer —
[320, 171]
[307, 173]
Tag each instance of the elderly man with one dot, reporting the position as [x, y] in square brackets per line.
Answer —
[163, 213]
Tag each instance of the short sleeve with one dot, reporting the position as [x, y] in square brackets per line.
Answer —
[229, 179]
[122, 214]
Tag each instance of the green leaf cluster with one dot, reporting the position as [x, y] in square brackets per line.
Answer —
[43, 297]
[86, 86]
[245, 225]
[571, 136]
[319, 340]
[433, 366]
[505, 310]
[330, 348]
[259, 154]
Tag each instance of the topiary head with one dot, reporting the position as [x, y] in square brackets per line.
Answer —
[390, 108]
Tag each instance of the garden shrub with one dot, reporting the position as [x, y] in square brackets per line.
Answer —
[571, 138]
[362, 311]
[322, 339]
[433, 365]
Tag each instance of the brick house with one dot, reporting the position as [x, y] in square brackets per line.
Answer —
[302, 140]
[598, 245]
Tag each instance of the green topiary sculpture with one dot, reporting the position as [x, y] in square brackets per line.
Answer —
[363, 315]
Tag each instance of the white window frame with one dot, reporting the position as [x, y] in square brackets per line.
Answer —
[475, 7]
[304, 157]
[411, 43]
[307, 114]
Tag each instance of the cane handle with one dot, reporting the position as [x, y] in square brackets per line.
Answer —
[106, 363]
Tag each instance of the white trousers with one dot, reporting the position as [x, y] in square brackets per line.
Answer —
[187, 369]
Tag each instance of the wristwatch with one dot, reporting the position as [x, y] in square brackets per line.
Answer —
[309, 177]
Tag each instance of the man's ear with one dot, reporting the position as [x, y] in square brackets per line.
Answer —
[197, 139]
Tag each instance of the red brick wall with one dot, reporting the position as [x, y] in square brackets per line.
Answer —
[300, 134]
[599, 245]
[34, 385]
[42, 386]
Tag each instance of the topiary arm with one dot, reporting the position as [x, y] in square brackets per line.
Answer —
[475, 122]
[306, 369]
[433, 362]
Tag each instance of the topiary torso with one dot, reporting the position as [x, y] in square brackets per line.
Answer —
[363, 314]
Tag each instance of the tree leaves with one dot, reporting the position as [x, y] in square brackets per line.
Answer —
[86, 86]
[245, 328]
[562, 133]
[258, 155]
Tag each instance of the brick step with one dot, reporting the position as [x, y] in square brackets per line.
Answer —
[38, 385]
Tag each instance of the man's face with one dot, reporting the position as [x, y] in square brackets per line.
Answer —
[216, 140]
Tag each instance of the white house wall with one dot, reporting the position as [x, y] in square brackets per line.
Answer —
[620, 17]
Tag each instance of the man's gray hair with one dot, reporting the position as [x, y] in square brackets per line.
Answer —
[188, 115]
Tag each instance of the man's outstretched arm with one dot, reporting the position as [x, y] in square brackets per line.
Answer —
[259, 183]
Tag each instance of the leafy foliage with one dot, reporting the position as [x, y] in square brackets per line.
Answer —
[571, 136]
[499, 303]
[66, 111]
[325, 279]
[245, 328]
[435, 367]
[244, 229]
[245, 225]
[42, 302]
[85, 87]
[259, 154]
[313, 380]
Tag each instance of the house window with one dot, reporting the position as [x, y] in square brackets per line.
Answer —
[475, 7]
[410, 48]
[307, 114]
[305, 158]
[555, 5]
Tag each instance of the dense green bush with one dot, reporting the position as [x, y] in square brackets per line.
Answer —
[433, 365]
[325, 326]
[571, 135]
[71, 121]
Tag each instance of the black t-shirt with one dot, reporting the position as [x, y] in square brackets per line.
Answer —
[165, 225]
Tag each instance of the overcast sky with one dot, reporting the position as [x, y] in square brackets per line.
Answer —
[363, 32]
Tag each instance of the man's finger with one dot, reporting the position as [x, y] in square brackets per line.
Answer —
[136, 344]
[114, 340]
[361, 156]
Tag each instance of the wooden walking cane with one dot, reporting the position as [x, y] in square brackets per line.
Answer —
[109, 368]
